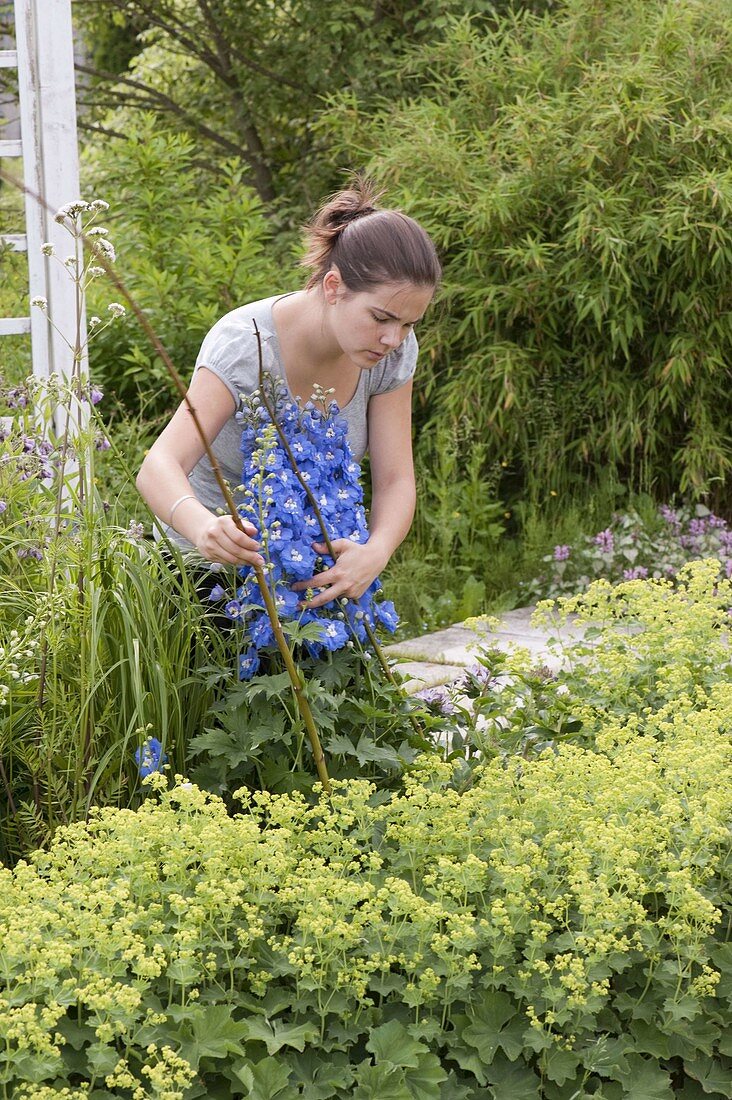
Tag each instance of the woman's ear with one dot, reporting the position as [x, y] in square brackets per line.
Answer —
[333, 287]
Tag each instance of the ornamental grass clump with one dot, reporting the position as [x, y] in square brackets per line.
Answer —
[91, 657]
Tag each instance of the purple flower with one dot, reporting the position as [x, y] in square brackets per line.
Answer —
[438, 698]
[101, 442]
[217, 592]
[669, 515]
[150, 757]
[479, 673]
[637, 573]
[728, 568]
[3, 507]
[605, 541]
[30, 552]
[697, 526]
[95, 395]
[561, 553]
[232, 609]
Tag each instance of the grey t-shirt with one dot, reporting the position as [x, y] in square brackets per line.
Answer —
[229, 350]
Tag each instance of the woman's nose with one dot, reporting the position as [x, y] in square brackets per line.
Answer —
[392, 337]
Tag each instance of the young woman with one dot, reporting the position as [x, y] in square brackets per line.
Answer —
[351, 329]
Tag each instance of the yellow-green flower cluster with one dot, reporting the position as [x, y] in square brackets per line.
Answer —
[501, 932]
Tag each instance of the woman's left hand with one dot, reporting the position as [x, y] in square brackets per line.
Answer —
[355, 567]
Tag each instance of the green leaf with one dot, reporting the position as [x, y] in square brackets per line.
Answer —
[513, 1080]
[452, 1089]
[382, 1082]
[645, 1080]
[560, 1065]
[102, 1058]
[212, 1033]
[649, 1039]
[424, 1081]
[391, 1043]
[322, 1077]
[276, 1035]
[687, 1039]
[712, 1074]
[265, 1080]
[607, 1057]
[487, 1022]
[685, 1008]
[272, 686]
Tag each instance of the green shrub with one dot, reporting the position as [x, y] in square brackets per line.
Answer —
[574, 170]
[558, 929]
[190, 250]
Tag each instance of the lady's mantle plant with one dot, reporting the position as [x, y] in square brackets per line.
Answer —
[560, 929]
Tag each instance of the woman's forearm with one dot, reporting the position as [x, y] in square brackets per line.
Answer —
[392, 511]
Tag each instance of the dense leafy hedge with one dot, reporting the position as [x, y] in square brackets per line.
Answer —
[558, 927]
[575, 170]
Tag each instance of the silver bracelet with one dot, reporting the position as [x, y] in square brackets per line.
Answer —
[186, 496]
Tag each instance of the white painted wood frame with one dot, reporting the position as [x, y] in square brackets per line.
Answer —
[45, 62]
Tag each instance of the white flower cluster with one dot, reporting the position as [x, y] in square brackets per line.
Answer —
[72, 210]
[18, 660]
[104, 248]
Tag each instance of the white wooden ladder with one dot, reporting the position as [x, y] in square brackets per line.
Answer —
[44, 58]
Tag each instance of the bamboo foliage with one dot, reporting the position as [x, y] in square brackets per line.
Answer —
[574, 169]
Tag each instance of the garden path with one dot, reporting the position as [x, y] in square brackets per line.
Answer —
[440, 657]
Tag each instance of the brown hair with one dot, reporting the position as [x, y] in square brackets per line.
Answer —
[368, 245]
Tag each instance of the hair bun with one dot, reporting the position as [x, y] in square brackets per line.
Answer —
[344, 216]
[389, 249]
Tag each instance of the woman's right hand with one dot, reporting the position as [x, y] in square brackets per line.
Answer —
[220, 540]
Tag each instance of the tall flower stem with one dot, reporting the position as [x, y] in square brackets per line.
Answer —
[293, 672]
[381, 656]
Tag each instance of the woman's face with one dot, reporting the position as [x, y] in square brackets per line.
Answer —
[368, 324]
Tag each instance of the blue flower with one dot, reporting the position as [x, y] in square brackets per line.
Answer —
[333, 634]
[248, 663]
[386, 615]
[233, 609]
[280, 505]
[217, 592]
[150, 757]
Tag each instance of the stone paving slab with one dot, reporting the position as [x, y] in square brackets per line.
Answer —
[416, 675]
[450, 650]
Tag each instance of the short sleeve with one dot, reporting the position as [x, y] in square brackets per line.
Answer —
[398, 367]
[229, 350]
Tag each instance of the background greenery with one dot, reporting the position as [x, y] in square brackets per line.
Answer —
[571, 158]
